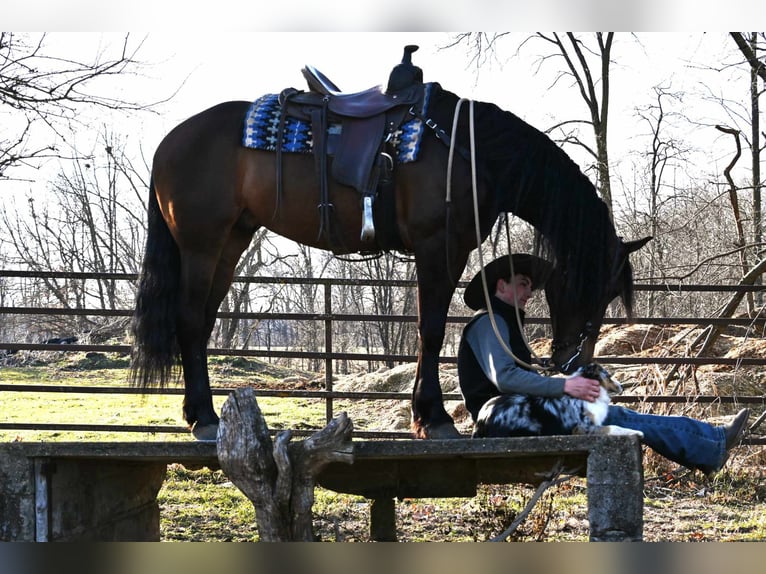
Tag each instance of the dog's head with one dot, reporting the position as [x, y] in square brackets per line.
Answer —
[597, 372]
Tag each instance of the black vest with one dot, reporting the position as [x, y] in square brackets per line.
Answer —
[475, 387]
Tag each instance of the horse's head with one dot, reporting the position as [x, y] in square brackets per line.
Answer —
[577, 310]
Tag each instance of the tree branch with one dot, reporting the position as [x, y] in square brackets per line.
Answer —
[557, 476]
[750, 56]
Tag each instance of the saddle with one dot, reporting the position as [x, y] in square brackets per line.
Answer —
[368, 120]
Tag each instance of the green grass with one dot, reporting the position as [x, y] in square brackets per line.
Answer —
[129, 409]
[203, 505]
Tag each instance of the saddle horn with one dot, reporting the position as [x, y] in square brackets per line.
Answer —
[406, 73]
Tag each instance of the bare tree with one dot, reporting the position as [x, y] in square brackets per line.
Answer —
[740, 113]
[236, 331]
[41, 90]
[91, 221]
[586, 65]
[305, 298]
[592, 80]
[346, 299]
[750, 49]
[481, 47]
[664, 154]
[392, 337]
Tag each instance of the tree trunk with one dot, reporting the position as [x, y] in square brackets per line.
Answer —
[277, 477]
[756, 157]
[741, 240]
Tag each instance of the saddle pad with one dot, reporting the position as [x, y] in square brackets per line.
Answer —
[262, 124]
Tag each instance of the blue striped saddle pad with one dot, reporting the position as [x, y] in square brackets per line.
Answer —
[262, 124]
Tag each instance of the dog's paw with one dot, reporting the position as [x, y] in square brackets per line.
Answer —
[622, 431]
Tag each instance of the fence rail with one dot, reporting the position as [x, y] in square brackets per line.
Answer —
[328, 317]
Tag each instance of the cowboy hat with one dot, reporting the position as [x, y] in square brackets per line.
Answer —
[533, 267]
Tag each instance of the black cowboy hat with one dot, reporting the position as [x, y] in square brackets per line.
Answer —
[533, 267]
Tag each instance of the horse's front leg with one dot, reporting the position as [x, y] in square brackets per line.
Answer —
[429, 417]
[435, 289]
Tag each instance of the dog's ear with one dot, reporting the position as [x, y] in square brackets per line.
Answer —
[593, 371]
[602, 372]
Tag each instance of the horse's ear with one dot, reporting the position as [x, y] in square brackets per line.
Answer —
[627, 272]
[631, 246]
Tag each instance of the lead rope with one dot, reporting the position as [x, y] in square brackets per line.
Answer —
[490, 311]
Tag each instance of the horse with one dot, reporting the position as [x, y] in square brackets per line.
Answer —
[209, 194]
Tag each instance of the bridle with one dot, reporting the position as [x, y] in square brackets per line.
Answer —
[587, 331]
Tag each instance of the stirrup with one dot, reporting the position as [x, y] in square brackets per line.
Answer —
[368, 228]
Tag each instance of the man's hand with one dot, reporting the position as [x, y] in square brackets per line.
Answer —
[582, 388]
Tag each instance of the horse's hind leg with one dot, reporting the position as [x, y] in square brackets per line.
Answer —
[202, 297]
[197, 273]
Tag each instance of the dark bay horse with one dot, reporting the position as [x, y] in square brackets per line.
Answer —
[209, 195]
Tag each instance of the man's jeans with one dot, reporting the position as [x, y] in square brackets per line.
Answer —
[689, 442]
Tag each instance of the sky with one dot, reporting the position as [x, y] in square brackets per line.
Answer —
[203, 69]
[215, 66]
[225, 66]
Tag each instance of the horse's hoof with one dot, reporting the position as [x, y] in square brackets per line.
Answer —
[442, 431]
[205, 433]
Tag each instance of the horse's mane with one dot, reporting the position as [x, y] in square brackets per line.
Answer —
[535, 180]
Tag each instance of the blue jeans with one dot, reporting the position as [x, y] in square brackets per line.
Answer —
[689, 442]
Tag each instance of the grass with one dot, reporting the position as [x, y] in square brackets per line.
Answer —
[128, 409]
[203, 505]
[728, 507]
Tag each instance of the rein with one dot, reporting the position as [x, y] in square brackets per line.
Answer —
[474, 186]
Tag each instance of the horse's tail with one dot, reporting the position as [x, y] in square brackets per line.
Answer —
[154, 355]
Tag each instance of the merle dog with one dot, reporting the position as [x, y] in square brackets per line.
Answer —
[525, 415]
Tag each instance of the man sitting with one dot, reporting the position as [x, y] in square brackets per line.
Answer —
[486, 370]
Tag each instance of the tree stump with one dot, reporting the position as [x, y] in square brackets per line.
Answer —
[277, 476]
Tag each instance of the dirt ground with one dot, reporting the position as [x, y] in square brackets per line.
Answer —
[678, 507]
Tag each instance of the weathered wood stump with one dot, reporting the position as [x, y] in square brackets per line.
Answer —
[277, 476]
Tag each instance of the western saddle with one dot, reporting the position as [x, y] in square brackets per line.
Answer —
[368, 120]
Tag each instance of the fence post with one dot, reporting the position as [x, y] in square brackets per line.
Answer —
[328, 348]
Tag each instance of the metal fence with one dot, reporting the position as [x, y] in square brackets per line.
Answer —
[329, 354]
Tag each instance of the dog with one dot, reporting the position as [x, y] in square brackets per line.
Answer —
[511, 415]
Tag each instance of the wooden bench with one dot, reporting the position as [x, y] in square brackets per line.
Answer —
[107, 491]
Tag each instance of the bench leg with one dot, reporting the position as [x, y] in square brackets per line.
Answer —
[383, 520]
[104, 501]
[615, 487]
